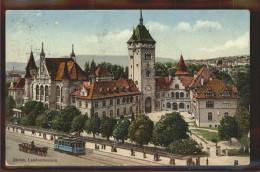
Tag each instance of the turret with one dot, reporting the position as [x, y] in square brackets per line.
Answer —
[181, 68]
[65, 83]
[92, 76]
[42, 55]
[72, 55]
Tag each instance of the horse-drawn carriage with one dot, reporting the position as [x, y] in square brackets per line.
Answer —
[31, 148]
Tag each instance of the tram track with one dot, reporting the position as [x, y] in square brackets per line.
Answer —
[12, 136]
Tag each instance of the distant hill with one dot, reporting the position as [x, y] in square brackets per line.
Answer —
[81, 59]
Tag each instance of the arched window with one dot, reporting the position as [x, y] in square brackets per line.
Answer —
[111, 113]
[147, 56]
[177, 95]
[46, 93]
[117, 112]
[177, 86]
[147, 65]
[104, 114]
[147, 73]
[225, 114]
[41, 92]
[172, 94]
[37, 92]
[210, 116]
[61, 94]
[181, 94]
[136, 82]
[57, 93]
[96, 115]
[181, 105]
[168, 105]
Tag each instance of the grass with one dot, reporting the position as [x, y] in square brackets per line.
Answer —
[205, 134]
[235, 152]
[193, 124]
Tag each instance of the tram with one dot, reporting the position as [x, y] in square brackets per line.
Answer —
[70, 145]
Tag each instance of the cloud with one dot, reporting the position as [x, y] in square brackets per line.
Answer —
[239, 43]
[206, 24]
[185, 26]
[157, 26]
[182, 26]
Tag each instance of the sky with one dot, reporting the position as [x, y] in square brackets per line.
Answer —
[197, 34]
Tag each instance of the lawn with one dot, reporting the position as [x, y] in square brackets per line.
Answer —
[235, 152]
[193, 124]
[205, 134]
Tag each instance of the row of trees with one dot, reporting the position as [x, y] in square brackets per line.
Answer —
[113, 68]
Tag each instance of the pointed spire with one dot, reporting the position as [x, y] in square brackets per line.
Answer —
[42, 53]
[31, 63]
[72, 55]
[181, 67]
[27, 73]
[65, 72]
[92, 69]
[141, 18]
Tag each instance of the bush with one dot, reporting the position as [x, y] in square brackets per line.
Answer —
[185, 147]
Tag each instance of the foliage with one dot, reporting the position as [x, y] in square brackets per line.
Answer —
[9, 105]
[243, 119]
[45, 120]
[78, 123]
[185, 147]
[121, 129]
[236, 152]
[141, 129]
[126, 72]
[228, 128]
[87, 67]
[219, 62]
[241, 78]
[221, 75]
[31, 110]
[169, 128]
[206, 134]
[107, 126]
[165, 69]
[132, 117]
[92, 126]
[191, 68]
[7, 85]
[62, 121]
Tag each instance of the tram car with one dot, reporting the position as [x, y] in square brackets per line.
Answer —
[70, 145]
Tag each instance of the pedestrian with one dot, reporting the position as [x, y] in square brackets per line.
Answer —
[104, 146]
[198, 161]
[171, 162]
[144, 152]
[95, 146]
[98, 147]
[115, 149]
[207, 161]
[132, 152]
[112, 148]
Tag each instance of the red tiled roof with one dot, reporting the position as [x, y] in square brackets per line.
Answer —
[217, 86]
[185, 80]
[100, 89]
[205, 74]
[102, 72]
[56, 66]
[20, 83]
[181, 68]
[31, 63]
[163, 83]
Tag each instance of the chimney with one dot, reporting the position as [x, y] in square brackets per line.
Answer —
[201, 81]
[195, 74]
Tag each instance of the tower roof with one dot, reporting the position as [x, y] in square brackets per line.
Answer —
[92, 69]
[31, 63]
[72, 53]
[65, 72]
[42, 52]
[141, 34]
[181, 68]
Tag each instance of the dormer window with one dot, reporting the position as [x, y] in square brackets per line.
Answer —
[116, 89]
[123, 89]
[109, 90]
[128, 88]
[101, 90]
[209, 93]
[84, 93]
[225, 93]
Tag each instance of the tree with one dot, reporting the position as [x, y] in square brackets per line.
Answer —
[185, 147]
[169, 128]
[92, 125]
[165, 69]
[31, 110]
[222, 75]
[62, 121]
[243, 119]
[45, 120]
[7, 85]
[132, 117]
[107, 126]
[141, 129]
[126, 72]
[219, 62]
[87, 68]
[78, 123]
[9, 105]
[228, 128]
[191, 68]
[121, 129]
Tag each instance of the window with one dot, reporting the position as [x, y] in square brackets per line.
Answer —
[131, 66]
[136, 65]
[225, 114]
[80, 104]
[172, 94]
[147, 56]
[127, 100]
[181, 94]
[104, 103]
[136, 98]
[177, 95]
[131, 109]
[86, 104]
[104, 114]
[209, 104]
[131, 99]
[73, 99]
[147, 65]
[57, 93]
[148, 73]
[177, 86]
[124, 110]
[117, 112]
[111, 101]
[168, 105]
[157, 95]
[210, 116]
[209, 93]
[163, 94]
[188, 106]
[117, 101]
[136, 109]
[123, 99]
[226, 105]
[225, 93]
[136, 82]
[96, 104]
[111, 112]
[131, 57]
[96, 115]
[187, 95]
[37, 92]
[148, 87]
[181, 105]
